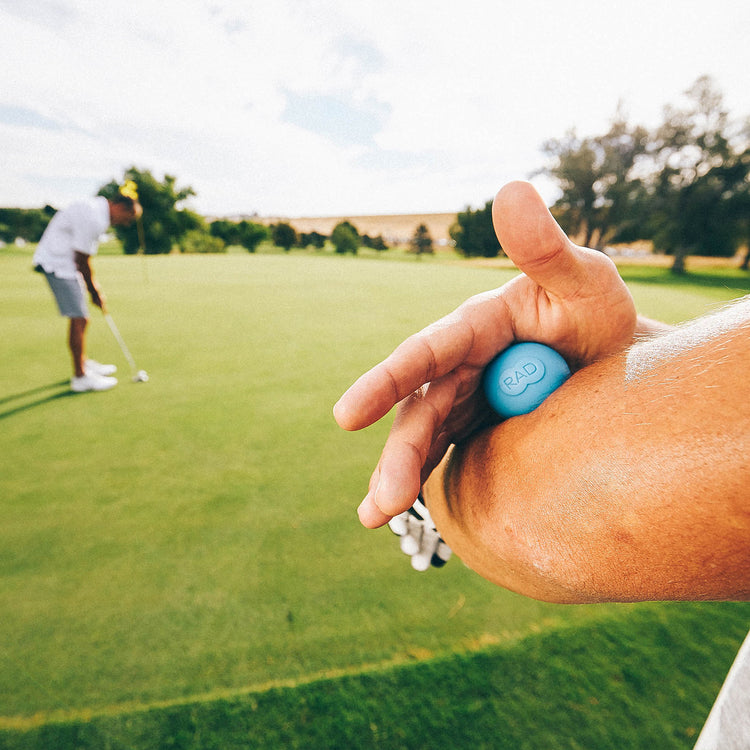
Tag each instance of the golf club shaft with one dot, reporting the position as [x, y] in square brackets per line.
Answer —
[141, 235]
[120, 341]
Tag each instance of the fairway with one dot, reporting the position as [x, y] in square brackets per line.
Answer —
[196, 535]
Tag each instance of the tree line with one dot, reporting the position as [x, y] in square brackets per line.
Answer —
[24, 223]
[166, 224]
[684, 186]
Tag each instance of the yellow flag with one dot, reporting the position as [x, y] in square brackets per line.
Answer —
[129, 190]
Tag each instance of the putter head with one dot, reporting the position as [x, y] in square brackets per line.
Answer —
[140, 377]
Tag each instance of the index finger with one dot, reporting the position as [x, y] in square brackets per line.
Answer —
[469, 335]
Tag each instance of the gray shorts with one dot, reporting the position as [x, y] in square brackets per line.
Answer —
[69, 295]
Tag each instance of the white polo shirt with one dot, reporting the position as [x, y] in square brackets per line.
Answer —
[76, 228]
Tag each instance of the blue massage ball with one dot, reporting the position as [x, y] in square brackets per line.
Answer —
[518, 379]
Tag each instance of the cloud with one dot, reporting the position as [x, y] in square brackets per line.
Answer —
[21, 117]
[50, 13]
[324, 107]
[344, 122]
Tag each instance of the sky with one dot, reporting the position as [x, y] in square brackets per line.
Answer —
[338, 107]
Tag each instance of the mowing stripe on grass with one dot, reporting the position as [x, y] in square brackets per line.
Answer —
[197, 534]
[642, 677]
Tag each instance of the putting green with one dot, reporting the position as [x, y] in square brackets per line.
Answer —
[197, 533]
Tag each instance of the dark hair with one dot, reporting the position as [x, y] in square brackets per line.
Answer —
[124, 200]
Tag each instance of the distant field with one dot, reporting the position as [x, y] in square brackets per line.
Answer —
[395, 229]
[195, 536]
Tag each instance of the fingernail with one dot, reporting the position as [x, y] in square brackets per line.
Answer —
[380, 490]
[383, 496]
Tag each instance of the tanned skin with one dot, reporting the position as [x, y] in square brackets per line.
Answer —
[630, 482]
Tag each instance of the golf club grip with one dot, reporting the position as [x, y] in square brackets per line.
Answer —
[521, 377]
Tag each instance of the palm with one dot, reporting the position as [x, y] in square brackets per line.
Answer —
[569, 298]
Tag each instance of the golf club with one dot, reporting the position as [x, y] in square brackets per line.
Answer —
[130, 190]
[139, 376]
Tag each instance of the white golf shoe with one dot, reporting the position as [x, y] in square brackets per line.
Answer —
[92, 382]
[91, 366]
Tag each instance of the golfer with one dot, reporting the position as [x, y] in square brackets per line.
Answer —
[630, 482]
[64, 257]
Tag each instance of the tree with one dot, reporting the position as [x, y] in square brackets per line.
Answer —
[316, 239]
[27, 223]
[685, 186]
[700, 187]
[250, 235]
[740, 202]
[421, 241]
[284, 235]
[244, 233]
[575, 170]
[201, 241]
[225, 230]
[595, 175]
[345, 238]
[164, 224]
[374, 243]
[474, 233]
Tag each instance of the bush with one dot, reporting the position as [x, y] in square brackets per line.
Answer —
[245, 233]
[316, 239]
[250, 235]
[345, 238]
[421, 241]
[474, 234]
[284, 235]
[200, 241]
[375, 243]
[26, 223]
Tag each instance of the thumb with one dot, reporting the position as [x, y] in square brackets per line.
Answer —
[534, 241]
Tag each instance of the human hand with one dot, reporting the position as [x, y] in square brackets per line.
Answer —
[98, 298]
[568, 297]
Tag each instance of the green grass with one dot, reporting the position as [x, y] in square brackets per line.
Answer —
[643, 677]
[720, 279]
[195, 537]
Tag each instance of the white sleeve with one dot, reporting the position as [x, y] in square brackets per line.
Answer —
[85, 229]
[728, 724]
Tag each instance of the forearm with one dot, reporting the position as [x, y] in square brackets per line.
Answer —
[83, 264]
[629, 483]
[646, 327]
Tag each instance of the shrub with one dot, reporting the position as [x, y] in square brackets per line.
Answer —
[474, 234]
[200, 241]
[284, 235]
[345, 238]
